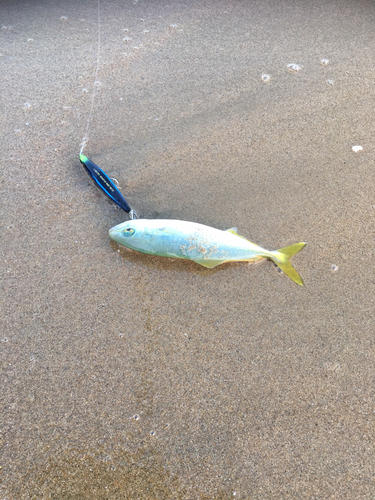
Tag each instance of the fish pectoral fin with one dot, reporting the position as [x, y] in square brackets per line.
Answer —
[209, 263]
[233, 230]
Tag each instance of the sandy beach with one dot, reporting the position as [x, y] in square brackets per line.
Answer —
[129, 376]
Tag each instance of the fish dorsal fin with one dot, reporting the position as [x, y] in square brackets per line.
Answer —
[233, 230]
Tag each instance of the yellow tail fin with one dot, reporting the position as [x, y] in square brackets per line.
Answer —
[281, 258]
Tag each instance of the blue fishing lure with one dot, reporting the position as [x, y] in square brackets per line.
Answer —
[104, 183]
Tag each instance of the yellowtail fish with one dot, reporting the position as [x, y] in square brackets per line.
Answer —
[205, 245]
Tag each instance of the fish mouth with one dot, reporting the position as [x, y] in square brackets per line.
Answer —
[113, 232]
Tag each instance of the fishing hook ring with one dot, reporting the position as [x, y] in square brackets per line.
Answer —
[133, 215]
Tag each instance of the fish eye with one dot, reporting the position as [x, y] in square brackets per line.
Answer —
[128, 231]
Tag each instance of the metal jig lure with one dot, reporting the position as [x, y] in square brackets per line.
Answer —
[104, 183]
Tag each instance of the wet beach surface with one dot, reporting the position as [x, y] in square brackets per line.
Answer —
[131, 376]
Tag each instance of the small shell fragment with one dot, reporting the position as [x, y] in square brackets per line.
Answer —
[324, 61]
[329, 82]
[266, 78]
[357, 148]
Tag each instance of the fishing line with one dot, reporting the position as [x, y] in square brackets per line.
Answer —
[101, 179]
[96, 84]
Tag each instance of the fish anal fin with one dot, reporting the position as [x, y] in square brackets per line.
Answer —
[209, 263]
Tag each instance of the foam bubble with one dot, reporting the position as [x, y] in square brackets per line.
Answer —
[334, 268]
[294, 67]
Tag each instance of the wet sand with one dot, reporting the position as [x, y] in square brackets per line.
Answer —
[131, 376]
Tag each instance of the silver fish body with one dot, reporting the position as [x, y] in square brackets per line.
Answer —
[205, 245]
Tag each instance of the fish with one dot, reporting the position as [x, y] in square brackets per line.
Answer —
[202, 244]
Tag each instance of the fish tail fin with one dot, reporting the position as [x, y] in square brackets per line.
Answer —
[281, 259]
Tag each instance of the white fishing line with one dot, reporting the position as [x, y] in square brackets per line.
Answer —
[96, 85]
